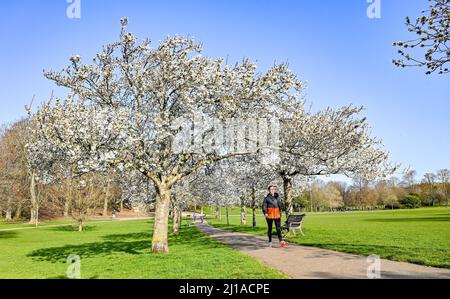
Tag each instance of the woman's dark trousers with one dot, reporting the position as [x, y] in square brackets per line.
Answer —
[277, 226]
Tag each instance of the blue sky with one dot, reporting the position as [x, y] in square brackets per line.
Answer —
[344, 56]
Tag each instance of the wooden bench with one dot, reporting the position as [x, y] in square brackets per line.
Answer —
[293, 223]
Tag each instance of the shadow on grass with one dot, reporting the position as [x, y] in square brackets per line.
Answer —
[128, 237]
[8, 235]
[72, 228]
[417, 219]
[193, 238]
[59, 254]
[132, 243]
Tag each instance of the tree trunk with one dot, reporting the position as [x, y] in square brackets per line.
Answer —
[8, 216]
[34, 213]
[243, 221]
[80, 226]
[66, 208]
[201, 210]
[68, 201]
[8, 211]
[67, 205]
[32, 216]
[220, 213]
[105, 207]
[176, 220]
[159, 240]
[36, 217]
[253, 208]
[18, 211]
[228, 216]
[287, 187]
[254, 217]
[105, 203]
[446, 194]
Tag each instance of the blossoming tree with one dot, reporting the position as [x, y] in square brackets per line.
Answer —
[140, 92]
[331, 141]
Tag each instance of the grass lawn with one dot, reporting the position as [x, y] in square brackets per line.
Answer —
[420, 236]
[122, 250]
[21, 224]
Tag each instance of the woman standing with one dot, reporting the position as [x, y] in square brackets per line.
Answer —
[272, 212]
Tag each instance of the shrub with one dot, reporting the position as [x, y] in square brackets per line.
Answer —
[411, 201]
[394, 206]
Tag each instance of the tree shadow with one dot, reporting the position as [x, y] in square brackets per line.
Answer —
[7, 235]
[193, 237]
[60, 254]
[72, 228]
[130, 236]
[132, 243]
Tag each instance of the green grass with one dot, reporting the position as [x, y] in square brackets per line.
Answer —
[419, 236]
[122, 250]
[25, 224]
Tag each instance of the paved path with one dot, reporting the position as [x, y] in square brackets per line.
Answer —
[310, 262]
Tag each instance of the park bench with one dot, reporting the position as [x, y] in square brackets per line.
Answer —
[292, 224]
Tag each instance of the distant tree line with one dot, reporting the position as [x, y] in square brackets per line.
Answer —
[24, 198]
[393, 193]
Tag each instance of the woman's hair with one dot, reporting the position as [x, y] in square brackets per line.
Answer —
[270, 186]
